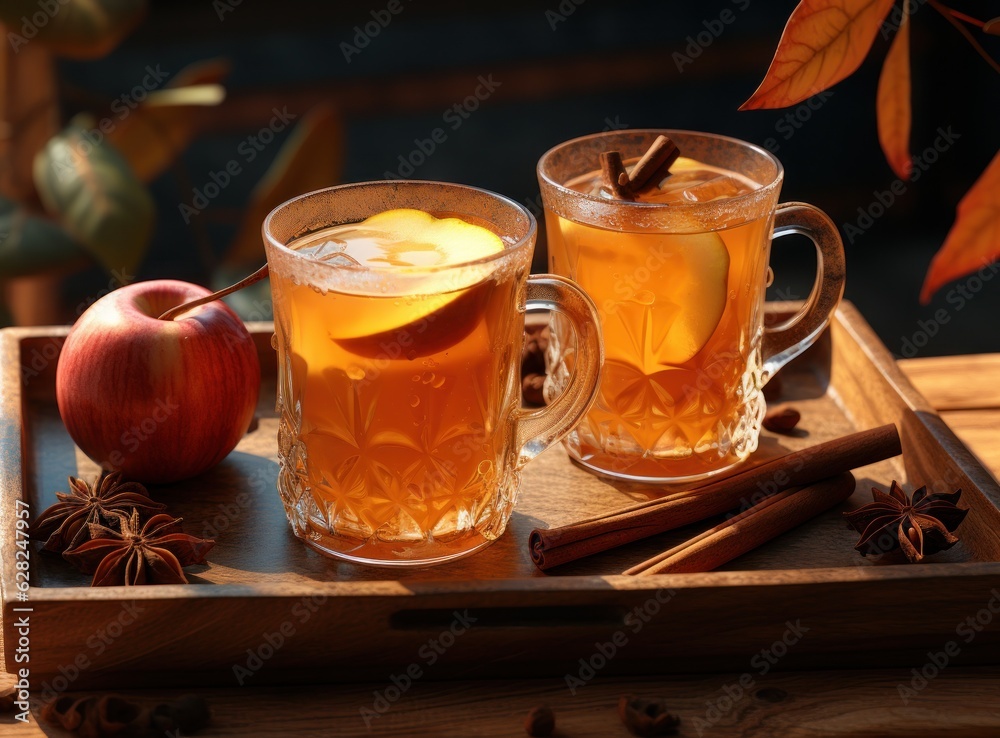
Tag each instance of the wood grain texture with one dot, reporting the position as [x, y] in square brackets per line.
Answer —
[979, 430]
[960, 703]
[556, 546]
[352, 623]
[956, 382]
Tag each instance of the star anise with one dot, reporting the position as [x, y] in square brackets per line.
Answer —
[66, 524]
[920, 526]
[152, 553]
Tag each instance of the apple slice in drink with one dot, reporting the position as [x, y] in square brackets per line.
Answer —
[454, 319]
[696, 285]
[427, 310]
[668, 295]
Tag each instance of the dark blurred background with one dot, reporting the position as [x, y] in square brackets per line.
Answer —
[562, 74]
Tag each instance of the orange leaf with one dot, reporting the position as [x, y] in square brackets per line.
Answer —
[974, 239]
[893, 101]
[823, 42]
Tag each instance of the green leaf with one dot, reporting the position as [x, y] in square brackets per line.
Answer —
[29, 245]
[90, 188]
[79, 29]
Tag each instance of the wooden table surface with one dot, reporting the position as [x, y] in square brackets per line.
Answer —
[958, 702]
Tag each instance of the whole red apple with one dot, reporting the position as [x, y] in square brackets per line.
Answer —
[159, 400]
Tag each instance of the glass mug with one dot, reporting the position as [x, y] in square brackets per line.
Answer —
[401, 434]
[680, 291]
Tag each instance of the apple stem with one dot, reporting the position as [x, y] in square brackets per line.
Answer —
[245, 282]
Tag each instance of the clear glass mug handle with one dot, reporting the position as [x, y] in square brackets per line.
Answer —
[785, 341]
[536, 430]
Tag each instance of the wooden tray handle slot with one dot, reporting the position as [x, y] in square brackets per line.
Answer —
[608, 616]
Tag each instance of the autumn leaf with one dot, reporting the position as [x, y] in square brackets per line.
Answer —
[311, 158]
[152, 136]
[974, 239]
[823, 42]
[893, 101]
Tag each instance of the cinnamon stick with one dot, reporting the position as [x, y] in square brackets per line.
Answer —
[659, 157]
[549, 548]
[612, 170]
[750, 529]
[679, 548]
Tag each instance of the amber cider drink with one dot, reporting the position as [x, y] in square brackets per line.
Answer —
[403, 400]
[678, 268]
[680, 393]
[399, 325]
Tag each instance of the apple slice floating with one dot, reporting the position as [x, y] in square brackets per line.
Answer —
[668, 317]
[438, 302]
[413, 238]
[695, 286]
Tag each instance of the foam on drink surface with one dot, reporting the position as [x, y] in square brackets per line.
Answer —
[352, 245]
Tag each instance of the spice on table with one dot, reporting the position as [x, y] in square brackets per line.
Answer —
[66, 524]
[555, 546]
[782, 419]
[768, 519]
[536, 343]
[189, 713]
[541, 721]
[920, 526]
[67, 711]
[531, 389]
[113, 714]
[152, 553]
[645, 717]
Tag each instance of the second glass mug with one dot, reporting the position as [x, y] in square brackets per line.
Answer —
[680, 291]
[401, 434]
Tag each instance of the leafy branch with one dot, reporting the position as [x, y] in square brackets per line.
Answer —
[824, 42]
[79, 195]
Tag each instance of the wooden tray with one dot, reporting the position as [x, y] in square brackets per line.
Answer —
[269, 609]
